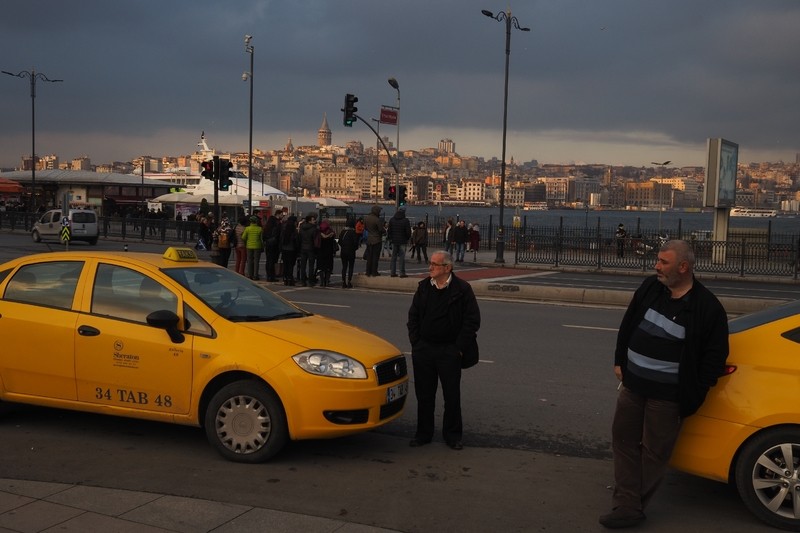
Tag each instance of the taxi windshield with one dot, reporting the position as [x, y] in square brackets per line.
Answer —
[233, 296]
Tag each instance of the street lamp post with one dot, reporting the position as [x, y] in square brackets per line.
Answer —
[510, 21]
[249, 76]
[377, 158]
[660, 190]
[393, 83]
[32, 75]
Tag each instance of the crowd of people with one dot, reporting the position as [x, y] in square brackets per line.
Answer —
[302, 251]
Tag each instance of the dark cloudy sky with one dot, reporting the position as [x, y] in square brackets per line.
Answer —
[595, 81]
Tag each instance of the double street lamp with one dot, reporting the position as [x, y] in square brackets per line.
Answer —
[504, 16]
[396, 86]
[245, 77]
[32, 75]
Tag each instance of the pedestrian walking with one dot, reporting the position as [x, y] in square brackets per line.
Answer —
[252, 243]
[223, 236]
[419, 239]
[289, 249]
[620, 235]
[459, 237]
[325, 252]
[399, 233]
[373, 227]
[474, 237]
[447, 237]
[240, 250]
[272, 249]
[348, 246]
[309, 244]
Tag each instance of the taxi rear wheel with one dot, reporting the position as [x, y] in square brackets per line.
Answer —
[245, 422]
[768, 477]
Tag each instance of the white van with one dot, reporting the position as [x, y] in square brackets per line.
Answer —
[83, 226]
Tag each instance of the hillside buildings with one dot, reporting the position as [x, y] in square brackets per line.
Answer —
[353, 172]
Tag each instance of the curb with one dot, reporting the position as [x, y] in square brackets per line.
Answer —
[508, 290]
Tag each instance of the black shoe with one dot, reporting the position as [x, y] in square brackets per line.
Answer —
[403, 275]
[622, 517]
[394, 275]
[349, 285]
[415, 442]
[456, 445]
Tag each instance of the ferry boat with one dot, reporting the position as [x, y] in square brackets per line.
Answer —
[756, 212]
[536, 206]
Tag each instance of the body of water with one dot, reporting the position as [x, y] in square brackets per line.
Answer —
[635, 221]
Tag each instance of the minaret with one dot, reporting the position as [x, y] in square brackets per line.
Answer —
[324, 134]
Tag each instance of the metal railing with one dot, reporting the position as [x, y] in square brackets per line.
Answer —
[743, 257]
[745, 253]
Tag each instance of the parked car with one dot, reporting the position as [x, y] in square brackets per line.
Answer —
[175, 339]
[82, 225]
[747, 432]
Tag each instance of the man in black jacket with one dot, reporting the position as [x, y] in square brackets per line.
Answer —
[374, 228]
[671, 348]
[443, 322]
[399, 233]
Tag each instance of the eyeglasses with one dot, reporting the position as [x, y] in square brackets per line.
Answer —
[437, 264]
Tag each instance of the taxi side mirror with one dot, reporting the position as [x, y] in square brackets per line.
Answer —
[166, 320]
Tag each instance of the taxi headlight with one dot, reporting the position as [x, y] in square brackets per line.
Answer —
[331, 364]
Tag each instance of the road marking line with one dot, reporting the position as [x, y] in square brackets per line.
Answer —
[506, 278]
[589, 327]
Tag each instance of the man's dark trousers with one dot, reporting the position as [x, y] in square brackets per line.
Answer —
[432, 363]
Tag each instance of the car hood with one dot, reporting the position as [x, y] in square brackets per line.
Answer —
[328, 334]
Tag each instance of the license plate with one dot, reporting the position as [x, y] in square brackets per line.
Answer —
[396, 392]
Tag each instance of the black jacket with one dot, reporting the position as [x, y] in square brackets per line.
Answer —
[465, 316]
[399, 230]
[348, 242]
[705, 346]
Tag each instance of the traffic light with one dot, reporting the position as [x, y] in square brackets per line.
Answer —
[392, 192]
[208, 170]
[402, 195]
[225, 174]
[350, 109]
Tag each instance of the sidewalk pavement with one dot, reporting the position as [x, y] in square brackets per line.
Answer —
[33, 506]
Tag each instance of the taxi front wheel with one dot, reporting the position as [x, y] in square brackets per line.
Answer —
[245, 422]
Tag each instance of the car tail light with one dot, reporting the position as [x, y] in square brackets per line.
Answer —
[729, 369]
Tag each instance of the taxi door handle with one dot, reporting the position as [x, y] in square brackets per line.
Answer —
[88, 331]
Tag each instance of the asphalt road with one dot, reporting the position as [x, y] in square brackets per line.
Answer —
[537, 413]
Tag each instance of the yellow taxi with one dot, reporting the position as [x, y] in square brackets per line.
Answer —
[175, 339]
[747, 432]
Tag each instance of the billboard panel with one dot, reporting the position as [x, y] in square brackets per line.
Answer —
[720, 183]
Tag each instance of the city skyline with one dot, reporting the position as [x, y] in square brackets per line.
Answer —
[620, 82]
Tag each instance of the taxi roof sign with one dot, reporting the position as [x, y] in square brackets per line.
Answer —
[181, 255]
